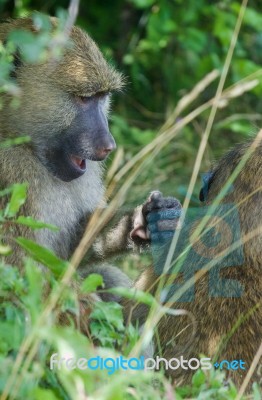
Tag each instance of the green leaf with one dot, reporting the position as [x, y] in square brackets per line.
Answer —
[14, 142]
[133, 294]
[46, 394]
[4, 250]
[243, 68]
[91, 283]
[41, 21]
[110, 312]
[198, 378]
[251, 17]
[33, 299]
[9, 337]
[43, 255]
[18, 198]
[33, 48]
[257, 392]
[6, 191]
[143, 3]
[35, 224]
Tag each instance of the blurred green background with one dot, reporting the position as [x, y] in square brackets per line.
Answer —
[164, 48]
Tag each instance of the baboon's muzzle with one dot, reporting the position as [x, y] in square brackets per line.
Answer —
[87, 138]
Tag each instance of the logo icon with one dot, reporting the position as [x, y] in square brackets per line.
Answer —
[210, 240]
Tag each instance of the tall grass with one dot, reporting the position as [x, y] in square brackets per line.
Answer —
[43, 333]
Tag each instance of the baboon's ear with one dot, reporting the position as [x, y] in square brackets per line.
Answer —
[207, 181]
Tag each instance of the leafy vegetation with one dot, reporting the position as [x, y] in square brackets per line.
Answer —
[165, 48]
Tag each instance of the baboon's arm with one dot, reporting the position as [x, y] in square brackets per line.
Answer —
[116, 240]
[155, 220]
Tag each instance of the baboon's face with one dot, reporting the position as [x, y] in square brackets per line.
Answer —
[86, 138]
[63, 105]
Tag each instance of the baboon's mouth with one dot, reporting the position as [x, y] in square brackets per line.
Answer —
[78, 162]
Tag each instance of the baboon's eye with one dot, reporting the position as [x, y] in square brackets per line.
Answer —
[83, 99]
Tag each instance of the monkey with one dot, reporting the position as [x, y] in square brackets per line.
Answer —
[63, 107]
[64, 110]
[224, 320]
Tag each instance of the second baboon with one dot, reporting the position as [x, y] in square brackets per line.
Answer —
[224, 264]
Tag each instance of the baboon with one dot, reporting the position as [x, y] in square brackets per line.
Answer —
[224, 300]
[63, 107]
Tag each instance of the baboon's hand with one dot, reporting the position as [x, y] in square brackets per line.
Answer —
[157, 219]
